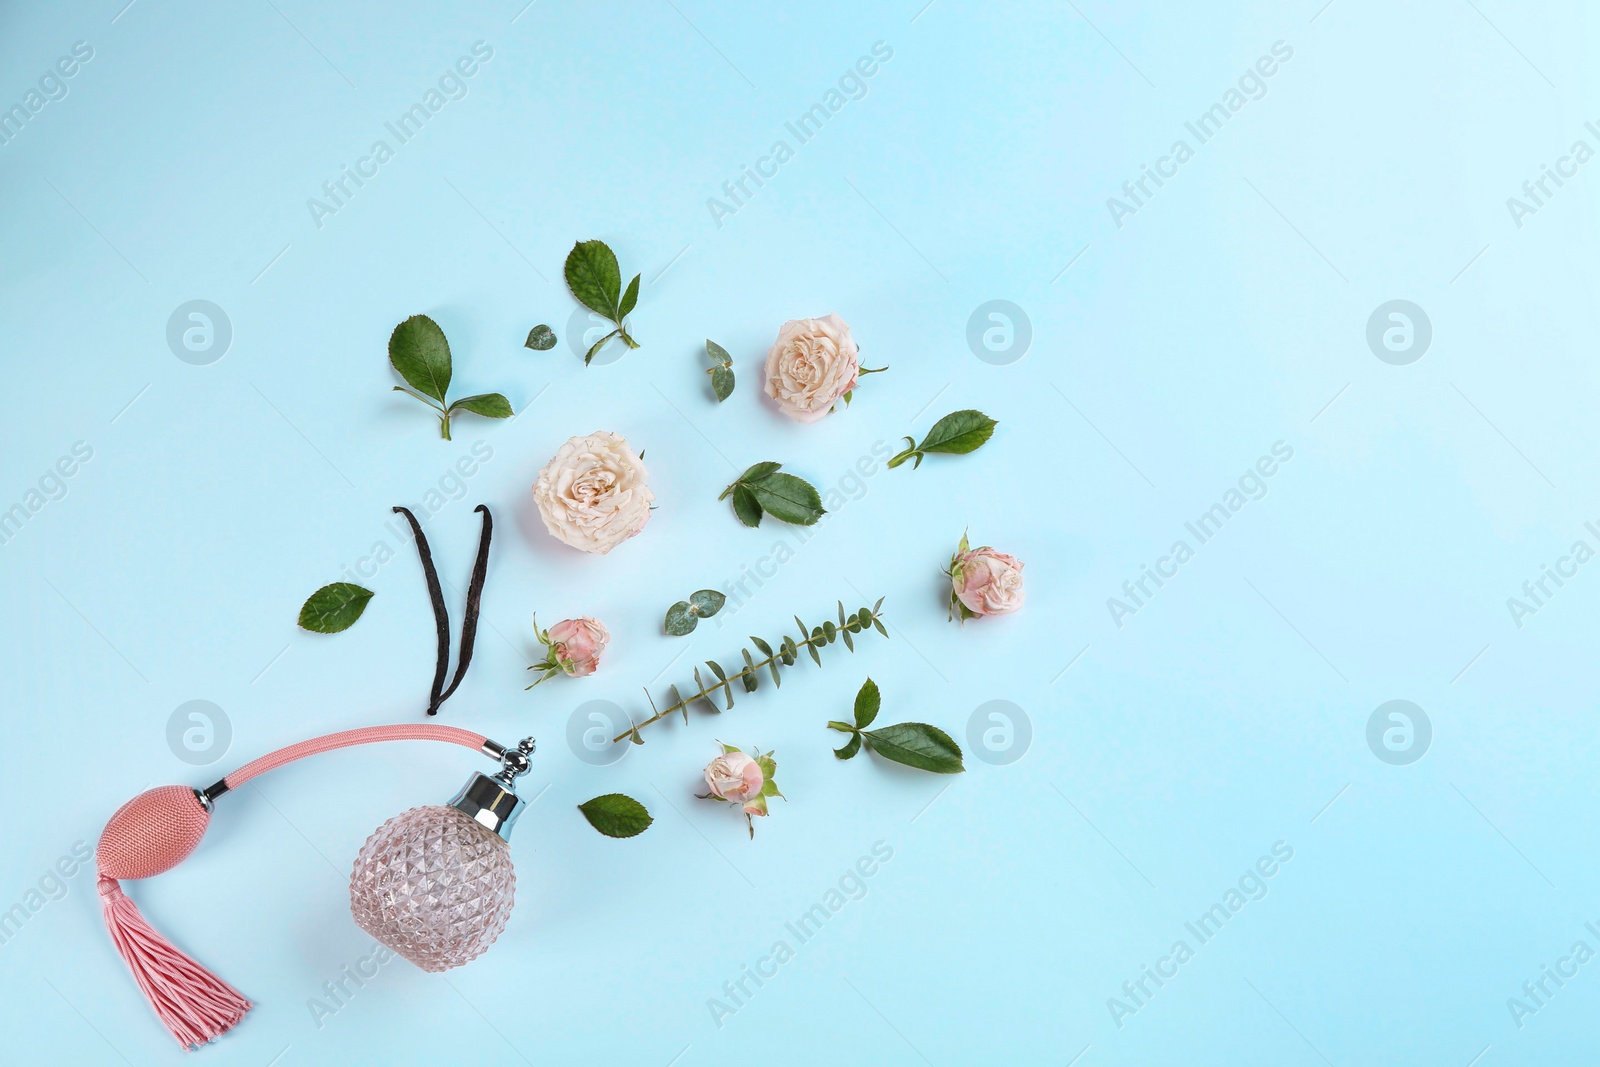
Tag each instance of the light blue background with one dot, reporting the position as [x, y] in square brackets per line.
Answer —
[1167, 755]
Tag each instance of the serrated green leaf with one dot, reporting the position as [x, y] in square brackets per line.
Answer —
[419, 352]
[868, 701]
[629, 299]
[595, 348]
[680, 621]
[707, 602]
[759, 470]
[746, 506]
[916, 744]
[616, 815]
[959, 432]
[489, 405]
[787, 498]
[334, 607]
[541, 338]
[851, 747]
[594, 278]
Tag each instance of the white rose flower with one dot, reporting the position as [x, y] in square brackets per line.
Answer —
[810, 366]
[594, 493]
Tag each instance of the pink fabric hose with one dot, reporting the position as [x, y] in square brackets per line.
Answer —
[365, 735]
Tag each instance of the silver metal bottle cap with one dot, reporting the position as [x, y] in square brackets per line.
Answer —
[491, 804]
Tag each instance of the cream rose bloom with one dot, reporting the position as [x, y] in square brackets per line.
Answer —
[810, 366]
[594, 493]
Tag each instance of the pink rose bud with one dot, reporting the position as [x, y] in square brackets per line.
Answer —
[577, 644]
[735, 776]
[572, 647]
[984, 582]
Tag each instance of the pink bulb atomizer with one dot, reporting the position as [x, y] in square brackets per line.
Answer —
[434, 883]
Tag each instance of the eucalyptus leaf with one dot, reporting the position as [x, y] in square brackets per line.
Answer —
[680, 621]
[707, 602]
[916, 744]
[616, 815]
[722, 383]
[541, 339]
[334, 607]
[419, 352]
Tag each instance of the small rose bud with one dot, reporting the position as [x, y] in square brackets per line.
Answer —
[984, 582]
[744, 779]
[572, 647]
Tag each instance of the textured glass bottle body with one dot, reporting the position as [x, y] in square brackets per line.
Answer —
[434, 886]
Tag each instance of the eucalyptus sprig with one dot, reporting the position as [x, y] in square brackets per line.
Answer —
[915, 744]
[420, 354]
[765, 488]
[685, 615]
[596, 280]
[749, 676]
[957, 433]
[721, 370]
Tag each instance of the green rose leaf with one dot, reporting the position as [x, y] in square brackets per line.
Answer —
[595, 348]
[718, 354]
[850, 748]
[916, 744]
[594, 278]
[959, 432]
[629, 298]
[334, 607]
[707, 602]
[759, 470]
[746, 507]
[681, 621]
[867, 703]
[788, 499]
[491, 405]
[541, 339]
[419, 352]
[616, 815]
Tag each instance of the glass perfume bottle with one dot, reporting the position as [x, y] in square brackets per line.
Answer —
[436, 883]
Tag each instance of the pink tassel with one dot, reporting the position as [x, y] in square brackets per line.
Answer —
[193, 1003]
